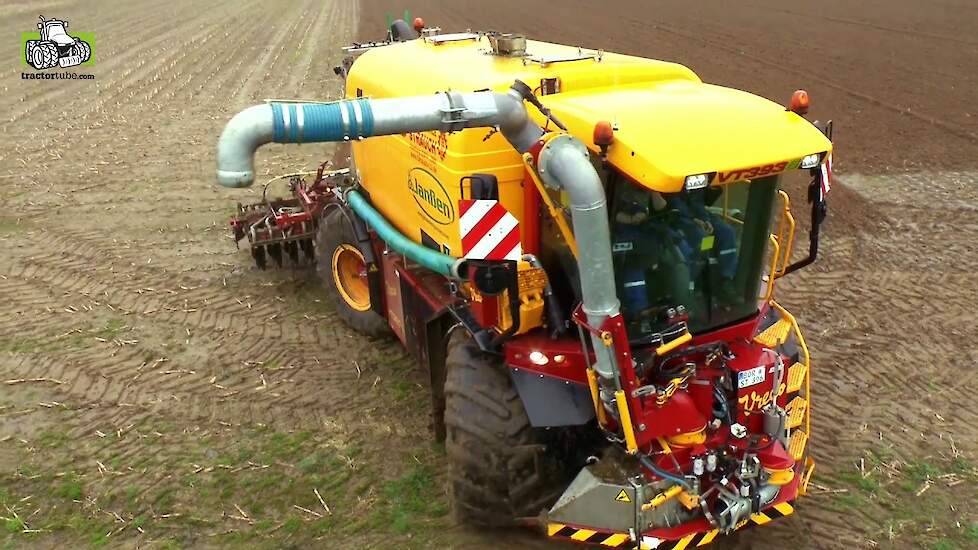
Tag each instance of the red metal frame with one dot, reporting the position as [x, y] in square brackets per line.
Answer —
[530, 224]
[312, 199]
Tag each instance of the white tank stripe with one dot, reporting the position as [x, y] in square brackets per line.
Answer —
[298, 121]
[346, 120]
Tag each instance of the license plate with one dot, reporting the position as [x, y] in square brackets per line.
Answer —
[750, 377]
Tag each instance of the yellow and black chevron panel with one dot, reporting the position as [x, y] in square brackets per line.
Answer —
[694, 540]
[610, 540]
[779, 510]
[689, 541]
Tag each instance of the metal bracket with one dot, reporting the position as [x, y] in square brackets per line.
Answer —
[453, 118]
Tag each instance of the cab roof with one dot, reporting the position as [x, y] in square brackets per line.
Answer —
[668, 123]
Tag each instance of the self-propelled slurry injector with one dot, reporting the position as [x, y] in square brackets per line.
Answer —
[582, 248]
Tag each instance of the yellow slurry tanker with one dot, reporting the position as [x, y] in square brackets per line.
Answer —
[581, 247]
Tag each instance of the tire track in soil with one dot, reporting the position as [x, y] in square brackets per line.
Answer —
[102, 379]
[67, 276]
[78, 251]
[882, 338]
[82, 264]
[307, 44]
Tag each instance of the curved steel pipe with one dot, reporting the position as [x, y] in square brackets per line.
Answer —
[564, 163]
[350, 119]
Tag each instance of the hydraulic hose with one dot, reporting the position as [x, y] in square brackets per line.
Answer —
[662, 473]
[436, 261]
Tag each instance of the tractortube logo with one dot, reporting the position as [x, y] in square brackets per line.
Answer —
[51, 46]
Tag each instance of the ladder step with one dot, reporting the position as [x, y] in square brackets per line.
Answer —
[796, 412]
[774, 335]
[796, 377]
[797, 443]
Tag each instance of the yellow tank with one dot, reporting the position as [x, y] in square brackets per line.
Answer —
[668, 125]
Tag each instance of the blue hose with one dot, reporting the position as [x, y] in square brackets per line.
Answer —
[436, 261]
[317, 122]
[660, 472]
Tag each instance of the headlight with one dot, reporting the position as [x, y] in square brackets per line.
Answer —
[697, 181]
[811, 161]
[538, 358]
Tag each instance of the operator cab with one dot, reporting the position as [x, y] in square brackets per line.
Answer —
[701, 249]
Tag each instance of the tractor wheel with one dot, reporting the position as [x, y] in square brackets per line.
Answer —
[83, 50]
[500, 468]
[340, 265]
[29, 48]
[44, 56]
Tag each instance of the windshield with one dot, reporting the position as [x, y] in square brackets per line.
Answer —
[701, 249]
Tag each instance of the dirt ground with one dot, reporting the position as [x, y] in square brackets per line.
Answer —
[158, 391]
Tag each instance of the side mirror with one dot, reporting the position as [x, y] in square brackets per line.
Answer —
[817, 190]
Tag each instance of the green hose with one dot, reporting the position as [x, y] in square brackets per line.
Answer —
[432, 259]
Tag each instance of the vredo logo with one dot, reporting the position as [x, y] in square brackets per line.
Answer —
[752, 172]
[431, 196]
[51, 46]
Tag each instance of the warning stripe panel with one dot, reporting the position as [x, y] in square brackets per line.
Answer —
[693, 540]
[488, 231]
[608, 540]
[482, 226]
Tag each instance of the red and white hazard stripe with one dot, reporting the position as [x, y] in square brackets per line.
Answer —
[489, 231]
[827, 175]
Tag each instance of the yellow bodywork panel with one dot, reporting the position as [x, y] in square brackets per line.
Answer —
[667, 130]
[668, 125]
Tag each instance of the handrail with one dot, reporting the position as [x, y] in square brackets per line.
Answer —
[774, 266]
[808, 361]
[789, 245]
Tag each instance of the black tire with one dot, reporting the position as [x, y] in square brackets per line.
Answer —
[402, 32]
[83, 50]
[43, 56]
[500, 468]
[333, 233]
[29, 47]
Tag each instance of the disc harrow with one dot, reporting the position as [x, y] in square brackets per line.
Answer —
[285, 227]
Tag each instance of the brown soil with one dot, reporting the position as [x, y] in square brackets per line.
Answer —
[155, 389]
[897, 77]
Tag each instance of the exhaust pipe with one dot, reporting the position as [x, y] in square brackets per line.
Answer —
[563, 164]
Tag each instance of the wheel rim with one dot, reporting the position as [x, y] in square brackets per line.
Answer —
[350, 276]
